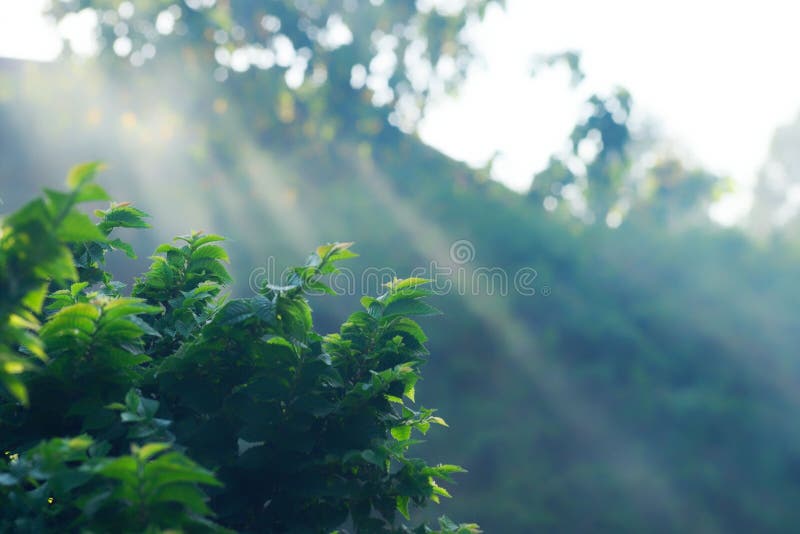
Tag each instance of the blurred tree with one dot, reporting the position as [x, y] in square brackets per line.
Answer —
[395, 54]
[600, 142]
[570, 58]
[598, 160]
[673, 196]
[601, 175]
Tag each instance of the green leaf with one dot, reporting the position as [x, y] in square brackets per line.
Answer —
[13, 365]
[123, 468]
[407, 326]
[151, 449]
[76, 323]
[78, 228]
[77, 287]
[263, 308]
[166, 247]
[410, 392]
[410, 307]
[438, 421]
[208, 238]
[15, 386]
[402, 506]
[449, 468]
[126, 306]
[122, 215]
[335, 249]
[401, 433]
[61, 266]
[367, 301]
[190, 496]
[234, 311]
[58, 202]
[91, 193]
[175, 467]
[118, 244]
[438, 490]
[211, 251]
[34, 299]
[30, 343]
[81, 174]
[397, 284]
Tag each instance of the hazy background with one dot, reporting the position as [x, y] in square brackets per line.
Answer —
[641, 161]
[689, 65]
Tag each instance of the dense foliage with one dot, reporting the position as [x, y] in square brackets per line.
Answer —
[179, 408]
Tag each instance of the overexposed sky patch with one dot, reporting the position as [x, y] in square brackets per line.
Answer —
[25, 33]
[717, 76]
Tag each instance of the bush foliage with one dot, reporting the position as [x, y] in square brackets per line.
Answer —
[179, 408]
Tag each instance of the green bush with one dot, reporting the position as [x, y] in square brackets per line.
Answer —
[179, 408]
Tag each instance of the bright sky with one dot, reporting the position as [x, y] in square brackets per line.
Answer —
[718, 76]
[24, 33]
